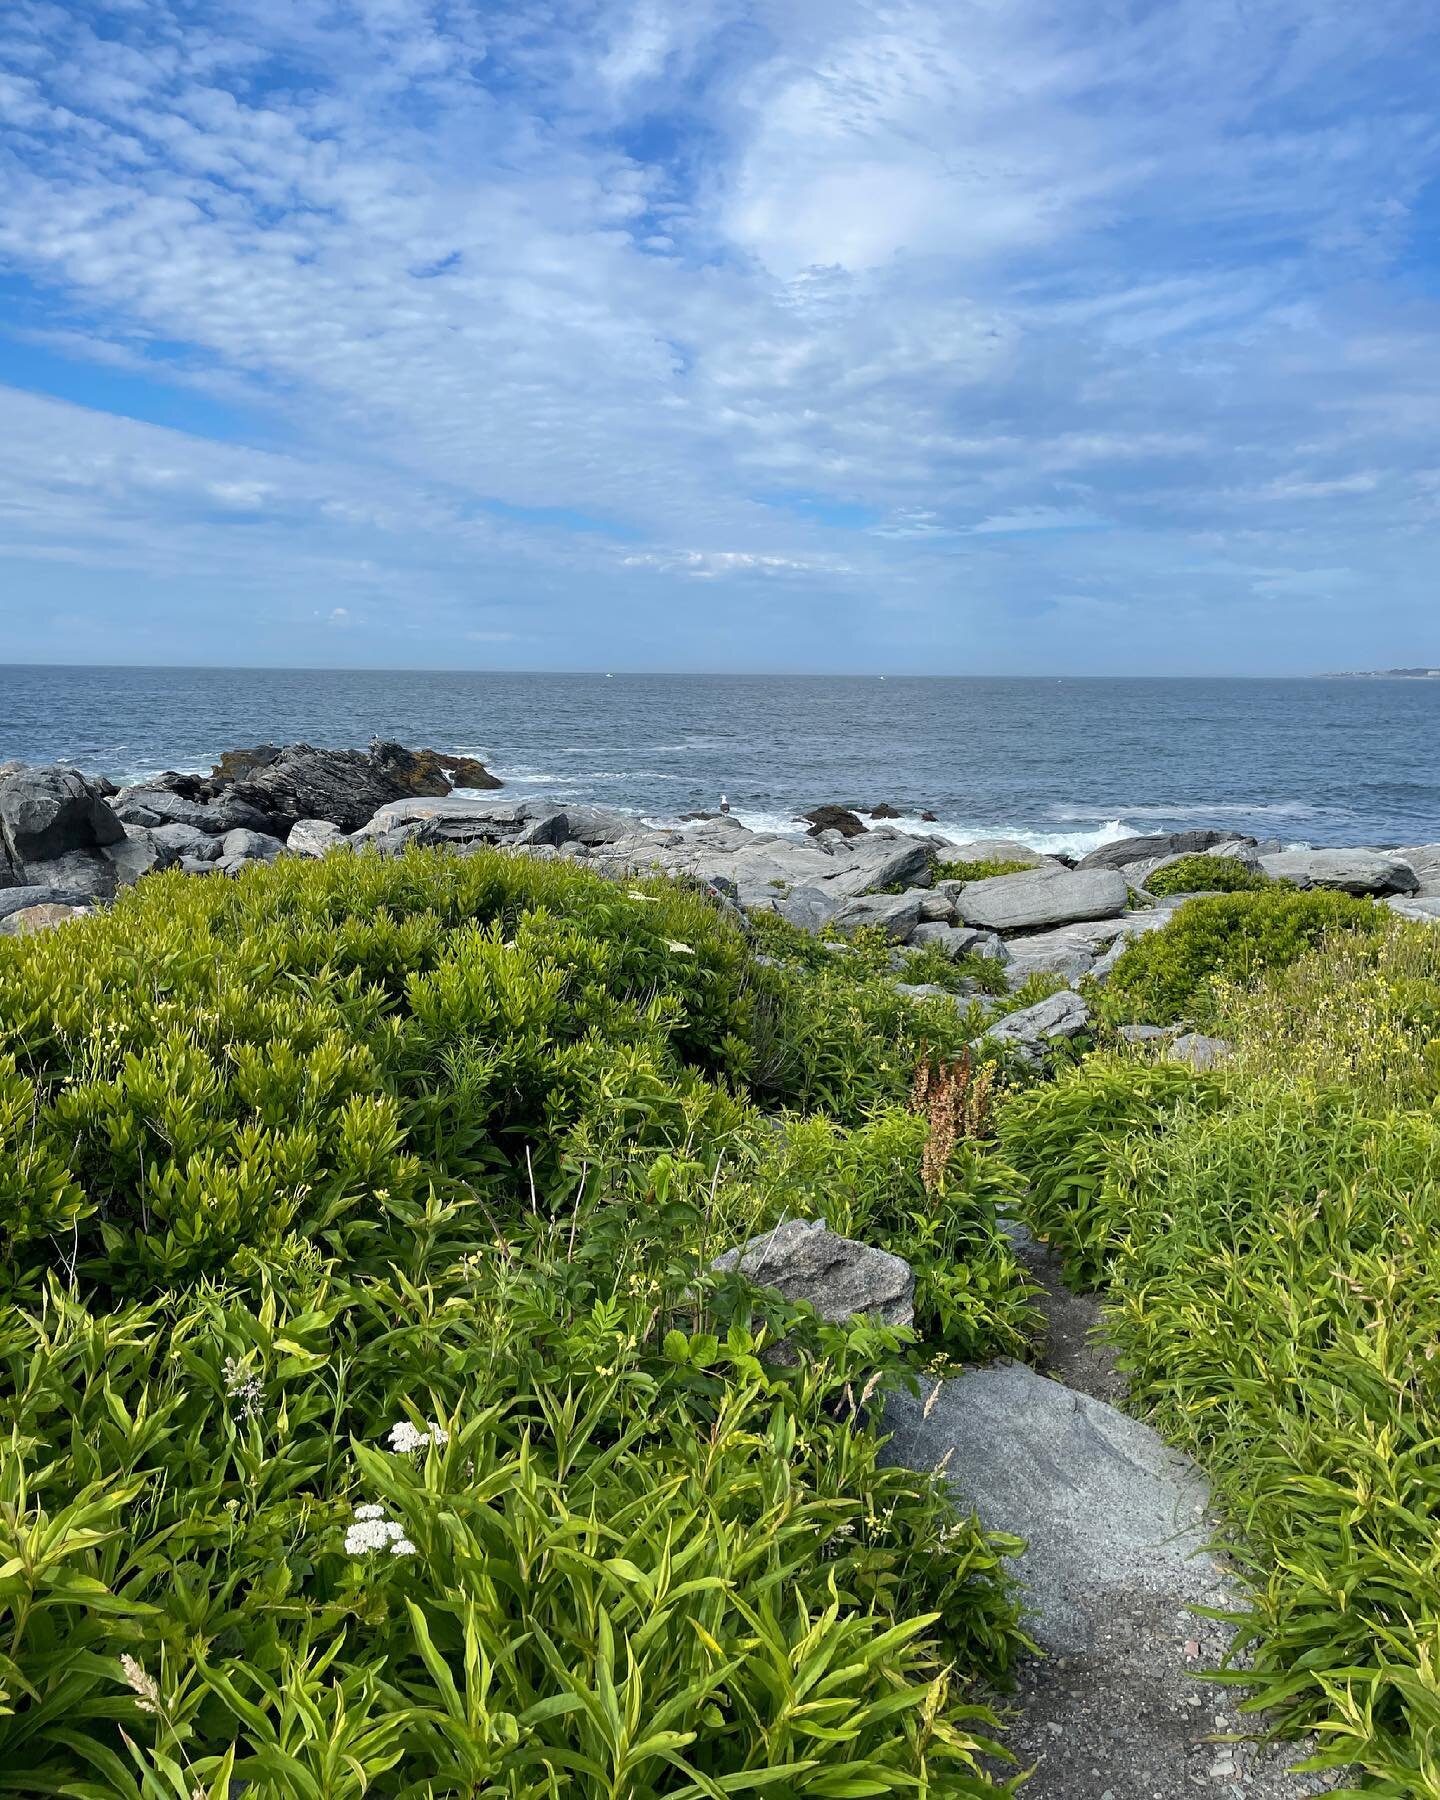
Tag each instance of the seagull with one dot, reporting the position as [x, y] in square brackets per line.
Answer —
[724, 804]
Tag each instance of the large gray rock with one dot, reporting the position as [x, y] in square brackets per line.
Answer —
[959, 940]
[998, 850]
[249, 846]
[1424, 859]
[139, 852]
[182, 840]
[78, 875]
[1422, 909]
[181, 800]
[1060, 1016]
[803, 1260]
[1347, 871]
[811, 908]
[299, 781]
[1157, 844]
[1111, 1516]
[549, 828]
[17, 899]
[47, 813]
[1042, 897]
[1199, 1051]
[313, 837]
[1069, 950]
[593, 825]
[898, 915]
[450, 819]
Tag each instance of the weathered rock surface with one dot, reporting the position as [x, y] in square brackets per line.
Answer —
[1419, 908]
[313, 837]
[249, 846]
[998, 850]
[27, 920]
[173, 799]
[1110, 1514]
[1069, 950]
[1199, 1051]
[78, 875]
[959, 940]
[16, 899]
[898, 915]
[344, 786]
[1347, 871]
[45, 814]
[1424, 859]
[139, 852]
[1157, 844]
[1060, 1016]
[803, 1260]
[1042, 897]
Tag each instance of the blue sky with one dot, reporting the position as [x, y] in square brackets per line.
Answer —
[1005, 336]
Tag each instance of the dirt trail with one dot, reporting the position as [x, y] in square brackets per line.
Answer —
[1118, 1526]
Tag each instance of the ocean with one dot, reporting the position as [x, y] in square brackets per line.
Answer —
[1065, 764]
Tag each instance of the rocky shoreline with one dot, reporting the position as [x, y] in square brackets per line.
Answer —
[69, 842]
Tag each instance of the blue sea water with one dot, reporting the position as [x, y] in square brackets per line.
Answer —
[1066, 764]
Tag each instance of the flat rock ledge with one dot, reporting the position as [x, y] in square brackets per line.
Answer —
[1118, 1529]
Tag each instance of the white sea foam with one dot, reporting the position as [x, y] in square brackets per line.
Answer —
[1048, 843]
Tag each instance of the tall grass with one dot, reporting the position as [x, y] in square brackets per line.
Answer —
[1269, 1237]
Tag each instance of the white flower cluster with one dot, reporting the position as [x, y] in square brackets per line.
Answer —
[407, 1439]
[244, 1385]
[372, 1531]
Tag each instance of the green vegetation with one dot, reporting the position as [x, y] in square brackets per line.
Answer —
[1204, 874]
[1172, 975]
[978, 871]
[375, 1424]
[372, 1424]
[1269, 1237]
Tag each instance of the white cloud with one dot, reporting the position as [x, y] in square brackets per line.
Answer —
[472, 306]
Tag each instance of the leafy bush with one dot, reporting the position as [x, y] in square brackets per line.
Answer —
[969, 973]
[372, 1425]
[981, 870]
[1204, 874]
[1171, 975]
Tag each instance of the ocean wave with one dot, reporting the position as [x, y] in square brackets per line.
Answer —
[1218, 809]
[1047, 843]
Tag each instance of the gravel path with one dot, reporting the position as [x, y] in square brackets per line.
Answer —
[1118, 1527]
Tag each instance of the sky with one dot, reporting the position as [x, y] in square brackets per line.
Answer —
[953, 336]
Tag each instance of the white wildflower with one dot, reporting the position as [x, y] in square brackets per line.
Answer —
[407, 1439]
[372, 1531]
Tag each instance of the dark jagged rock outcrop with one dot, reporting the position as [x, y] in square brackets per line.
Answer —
[270, 788]
[833, 818]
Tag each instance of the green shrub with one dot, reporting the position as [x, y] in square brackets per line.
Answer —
[1170, 975]
[1204, 874]
[978, 871]
[969, 973]
[1065, 1137]
[445, 1144]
